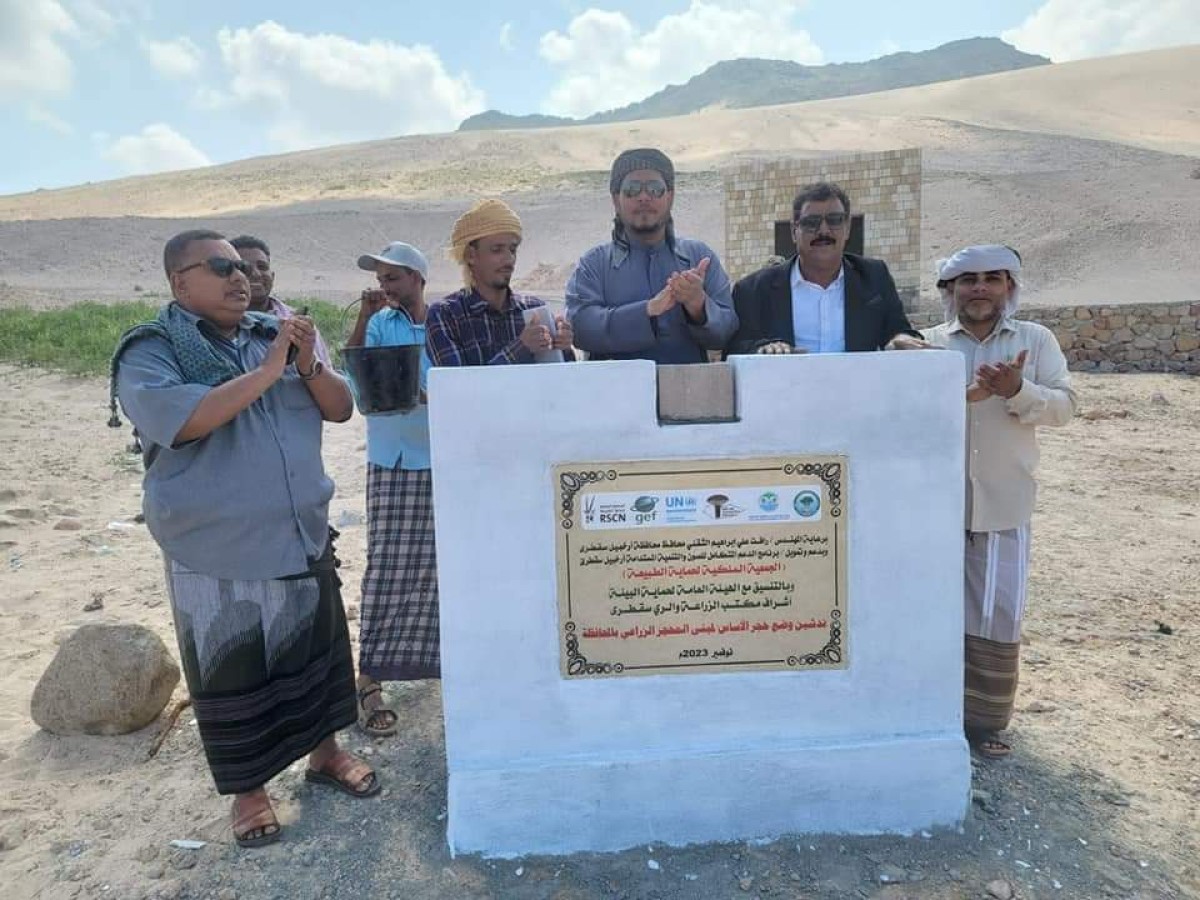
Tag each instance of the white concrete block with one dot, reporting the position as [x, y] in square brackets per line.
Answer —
[542, 764]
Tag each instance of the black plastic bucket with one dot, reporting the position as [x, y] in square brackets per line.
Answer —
[386, 379]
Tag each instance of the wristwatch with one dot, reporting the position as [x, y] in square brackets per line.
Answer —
[317, 368]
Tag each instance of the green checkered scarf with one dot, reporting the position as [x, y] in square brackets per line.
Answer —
[201, 362]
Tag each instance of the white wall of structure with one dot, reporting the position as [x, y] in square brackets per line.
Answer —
[541, 764]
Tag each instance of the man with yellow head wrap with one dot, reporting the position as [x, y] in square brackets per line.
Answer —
[485, 323]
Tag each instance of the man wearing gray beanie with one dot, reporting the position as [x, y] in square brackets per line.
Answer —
[648, 294]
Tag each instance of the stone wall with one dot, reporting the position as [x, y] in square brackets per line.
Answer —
[884, 187]
[1148, 337]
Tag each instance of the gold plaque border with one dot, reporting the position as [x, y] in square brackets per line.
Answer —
[571, 483]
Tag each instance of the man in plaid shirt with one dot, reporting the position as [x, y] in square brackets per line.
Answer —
[485, 323]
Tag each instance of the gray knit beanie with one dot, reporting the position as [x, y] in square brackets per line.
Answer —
[641, 158]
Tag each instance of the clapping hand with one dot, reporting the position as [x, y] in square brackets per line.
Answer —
[688, 289]
[1002, 379]
[564, 334]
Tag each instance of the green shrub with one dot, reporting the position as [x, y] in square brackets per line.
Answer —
[79, 339]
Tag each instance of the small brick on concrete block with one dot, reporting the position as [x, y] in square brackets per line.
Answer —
[696, 393]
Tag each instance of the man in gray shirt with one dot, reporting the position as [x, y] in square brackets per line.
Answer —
[237, 499]
[648, 294]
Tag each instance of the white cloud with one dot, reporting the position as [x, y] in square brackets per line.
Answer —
[1075, 29]
[157, 148]
[327, 89]
[32, 56]
[93, 18]
[179, 58]
[506, 42]
[607, 62]
[39, 115]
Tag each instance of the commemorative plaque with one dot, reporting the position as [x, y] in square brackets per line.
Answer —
[685, 566]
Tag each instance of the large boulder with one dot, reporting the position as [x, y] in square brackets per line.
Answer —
[105, 679]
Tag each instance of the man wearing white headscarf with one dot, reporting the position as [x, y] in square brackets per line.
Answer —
[1015, 378]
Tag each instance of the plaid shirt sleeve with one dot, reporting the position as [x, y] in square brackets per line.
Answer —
[441, 332]
[513, 353]
[453, 340]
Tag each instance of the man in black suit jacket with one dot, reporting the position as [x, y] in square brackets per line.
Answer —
[844, 302]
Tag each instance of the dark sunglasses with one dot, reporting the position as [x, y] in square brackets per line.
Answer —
[654, 188]
[220, 266]
[813, 222]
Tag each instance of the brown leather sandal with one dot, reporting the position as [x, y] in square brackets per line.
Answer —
[257, 828]
[379, 721]
[348, 774]
[988, 744]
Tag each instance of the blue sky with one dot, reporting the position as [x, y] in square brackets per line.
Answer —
[99, 89]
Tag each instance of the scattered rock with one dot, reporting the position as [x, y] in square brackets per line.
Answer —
[183, 859]
[96, 603]
[155, 871]
[1040, 706]
[1093, 415]
[1120, 882]
[1158, 399]
[889, 874]
[105, 679]
[227, 893]
[23, 512]
[653, 865]
[981, 798]
[1163, 627]
[1000, 889]
[746, 882]
[68, 524]
[171, 890]
[12, 833]
[147, 853]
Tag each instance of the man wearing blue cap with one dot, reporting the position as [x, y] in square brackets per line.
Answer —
[398, 628]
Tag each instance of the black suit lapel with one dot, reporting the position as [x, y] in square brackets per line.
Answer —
[856, 333]
[781, 303]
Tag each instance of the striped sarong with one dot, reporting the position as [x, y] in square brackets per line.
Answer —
[398, 635]
[991, 684]
[996, 573]
[268, 665]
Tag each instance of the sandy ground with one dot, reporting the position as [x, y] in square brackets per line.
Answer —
[1102, 203]
[1099, 799]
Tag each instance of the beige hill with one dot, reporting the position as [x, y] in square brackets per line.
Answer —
[1090, 168]
[1146, 100]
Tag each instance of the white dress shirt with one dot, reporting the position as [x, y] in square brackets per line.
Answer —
[819, 314]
